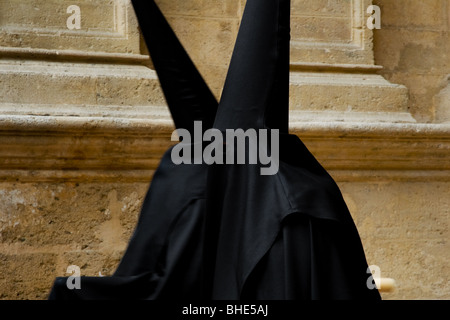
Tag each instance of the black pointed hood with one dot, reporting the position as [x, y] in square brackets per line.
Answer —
[256, 91]
[187, 95]
[226, 232]
[274, 236]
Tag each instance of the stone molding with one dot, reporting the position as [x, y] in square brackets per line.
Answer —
[84, 104]
[107, 26]
[128, 148]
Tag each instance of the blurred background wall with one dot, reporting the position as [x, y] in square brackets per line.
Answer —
[83, 124]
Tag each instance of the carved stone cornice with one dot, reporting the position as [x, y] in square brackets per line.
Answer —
[128, 147]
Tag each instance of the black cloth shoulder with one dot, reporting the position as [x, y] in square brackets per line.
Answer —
[226, 231]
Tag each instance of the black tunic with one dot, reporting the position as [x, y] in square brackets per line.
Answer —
[224, 231]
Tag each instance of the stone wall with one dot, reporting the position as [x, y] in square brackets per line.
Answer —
[47, 227]
[413, 46]
[83, 125]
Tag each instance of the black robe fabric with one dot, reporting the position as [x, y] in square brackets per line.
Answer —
[164, 256]
[283, 236]
[224, 231]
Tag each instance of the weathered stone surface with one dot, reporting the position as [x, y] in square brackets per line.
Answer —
[413, 46]
[205, 8]
[83, 124]
[26, 275]
[414, 13]
[64, 214]
[442, 104]
[75, 83]
[46, 227]
[404, 227]
[215, 48]
[106, 26]
[331, 32]
[346, 92]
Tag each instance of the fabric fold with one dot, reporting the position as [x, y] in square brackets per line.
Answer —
[250, 217]
[166, 243]
[225, 231]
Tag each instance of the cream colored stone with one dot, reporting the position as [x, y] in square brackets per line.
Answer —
[77, 83]
[208, 41]
[26, 275]
[422, 90]
[45, 227]
[107, 26]
[346, 92]
[413, 13]
[442, 105]
[404, 228]
[413, 46]
[321, 29]
[204, 8]
[340, 8]
[331, 32]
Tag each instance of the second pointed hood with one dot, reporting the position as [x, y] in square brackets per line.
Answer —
[187, 95]
[256, 91]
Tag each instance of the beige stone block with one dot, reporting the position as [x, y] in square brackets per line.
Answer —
[442, 105]
[331, 32]
[30, 215]
[89, 150]
[30, 87]
[129, 91]
[77, 83]
[302, 52]
[413, 13]
[420, 271]
[346, 92]
[45, 227]
[321, 21]
[106, 26]
[204, 8]
[322, 29]
[26, 276]
[404, 229]
[73, 215]
[340, 8]
[448, 17]
[208, 41]
[401, 211]
[419, 51]
[417, 58]
[422, 89]
[91, 263]
[429, 59]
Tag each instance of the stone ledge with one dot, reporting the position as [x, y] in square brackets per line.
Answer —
[299, 118]
[335, 91]
[77, 55]
[51, 148]
[152, 119]
[57, 83]
[329, 67]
